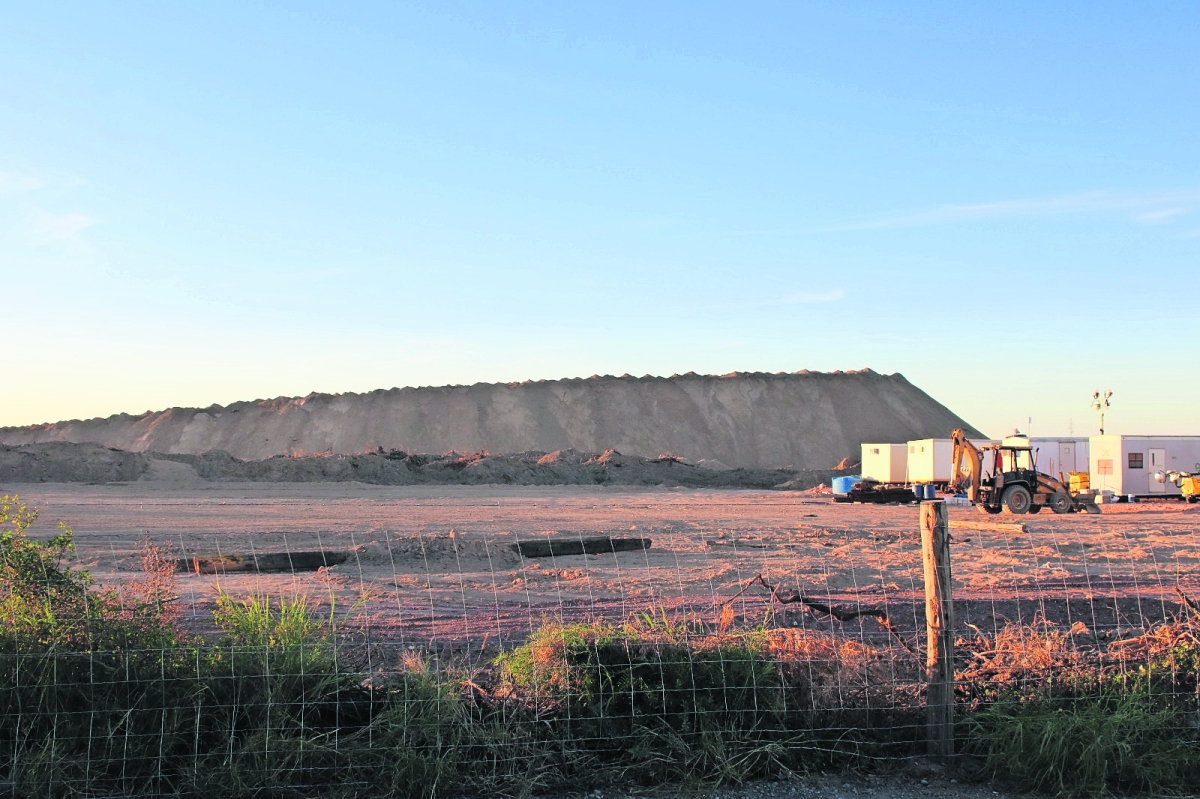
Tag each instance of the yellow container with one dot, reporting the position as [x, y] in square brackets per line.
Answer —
[1079, 481]
[1190, 486]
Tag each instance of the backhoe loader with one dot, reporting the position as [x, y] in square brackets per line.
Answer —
[1012, 483]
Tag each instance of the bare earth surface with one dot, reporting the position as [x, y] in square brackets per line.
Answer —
[436, 566]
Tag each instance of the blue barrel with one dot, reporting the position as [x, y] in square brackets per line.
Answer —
[842, 485]
[930, 491]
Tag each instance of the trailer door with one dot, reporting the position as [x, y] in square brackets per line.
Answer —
[1158, 463]
[1066, 458]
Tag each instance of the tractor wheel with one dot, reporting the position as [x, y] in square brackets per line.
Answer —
[988, 509]
[1035, 508]
[1017, 500]
[1061, 503]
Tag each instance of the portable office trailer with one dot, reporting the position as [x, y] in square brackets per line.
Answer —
[886, 463]
[929, 459]
[1126, 464]
[1060, 455]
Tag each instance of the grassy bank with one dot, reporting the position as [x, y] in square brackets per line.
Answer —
[103, 694]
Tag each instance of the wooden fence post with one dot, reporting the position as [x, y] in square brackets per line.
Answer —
[939, 628]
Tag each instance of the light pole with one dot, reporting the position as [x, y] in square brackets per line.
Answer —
[1099, 403]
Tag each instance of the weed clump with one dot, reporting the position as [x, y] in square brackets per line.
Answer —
[656, 699]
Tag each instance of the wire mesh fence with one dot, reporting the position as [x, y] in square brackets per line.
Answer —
[483, 641]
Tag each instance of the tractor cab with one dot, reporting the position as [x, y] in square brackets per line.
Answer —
[1016, 453]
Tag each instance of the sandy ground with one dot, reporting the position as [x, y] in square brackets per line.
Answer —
[436, 565]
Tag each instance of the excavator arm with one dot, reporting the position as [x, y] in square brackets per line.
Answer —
[966, 466]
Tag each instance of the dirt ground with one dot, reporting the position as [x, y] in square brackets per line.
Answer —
[435, 564]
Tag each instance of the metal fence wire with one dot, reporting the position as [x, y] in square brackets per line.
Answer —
[416, 643]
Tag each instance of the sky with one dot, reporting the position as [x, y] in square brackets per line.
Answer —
[212, 202]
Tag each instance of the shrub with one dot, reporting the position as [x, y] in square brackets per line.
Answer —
[92, 686]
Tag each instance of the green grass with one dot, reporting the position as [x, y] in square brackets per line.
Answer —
[1088, 746]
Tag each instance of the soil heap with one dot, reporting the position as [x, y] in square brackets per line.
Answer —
[803, 420]
[63, 462]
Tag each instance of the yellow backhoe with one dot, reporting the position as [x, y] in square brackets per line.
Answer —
[1004, 478]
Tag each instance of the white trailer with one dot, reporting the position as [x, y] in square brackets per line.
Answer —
[1126, 464]
[1057, 456]
[885, 463]
[929, 459]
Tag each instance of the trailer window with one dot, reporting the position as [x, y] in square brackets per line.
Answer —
[1135, 460]
[1104, 466]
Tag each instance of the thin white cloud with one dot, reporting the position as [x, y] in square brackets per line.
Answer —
[1158, 217]
[809, 298]
[1097, 202]
[45, 228]
[14, 183]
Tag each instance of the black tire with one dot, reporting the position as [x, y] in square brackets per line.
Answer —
[988, 509]
[1035, 508]
[1061, 503]
[1017, 500]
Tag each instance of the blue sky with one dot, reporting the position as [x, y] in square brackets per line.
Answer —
[217, 202]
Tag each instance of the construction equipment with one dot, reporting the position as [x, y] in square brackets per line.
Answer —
[1004, 477]
[1188, 483]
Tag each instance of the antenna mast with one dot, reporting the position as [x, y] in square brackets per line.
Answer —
[1099, 403]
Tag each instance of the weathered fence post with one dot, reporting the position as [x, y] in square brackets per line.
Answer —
[939, 627]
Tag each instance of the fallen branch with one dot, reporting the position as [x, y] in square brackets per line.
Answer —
[833, 611]
[1188, 602]
[795, 597]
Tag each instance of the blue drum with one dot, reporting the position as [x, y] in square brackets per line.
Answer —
[842, 485]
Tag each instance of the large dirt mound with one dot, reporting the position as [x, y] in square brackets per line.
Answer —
[88, 463]
[805, 420]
